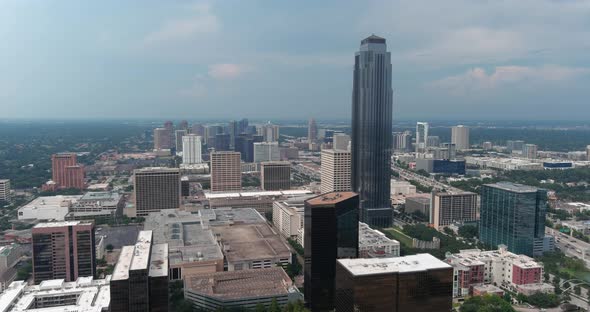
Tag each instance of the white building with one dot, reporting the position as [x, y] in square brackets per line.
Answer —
[374, 244]
[191, 149]
[10, 256]
[421, 136]
[266, 151]
[529, 151]
[48, 207]
[503, 163]
[287, 216]
[5, 190]
[402, 188]
[460, 137]
[341, 141]
[335, 171]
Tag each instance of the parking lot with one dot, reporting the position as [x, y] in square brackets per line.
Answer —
[119, 236]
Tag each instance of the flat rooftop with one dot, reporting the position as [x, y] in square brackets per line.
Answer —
[513, 187]
[52, 201]
[250, 242]
[60, 224]
[156, 170]
[121, 271]
[413, 263]
[159, 260]
[331, 198]
[141, 254]
[101, 196]
[286, 193]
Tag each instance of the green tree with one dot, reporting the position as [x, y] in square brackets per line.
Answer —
[468, 231]
[577, 290]
[274, 306]
[487, 303]
[260, 308]
[543, 300]
[110, 247]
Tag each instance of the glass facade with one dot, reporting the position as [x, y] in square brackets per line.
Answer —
[513, 215]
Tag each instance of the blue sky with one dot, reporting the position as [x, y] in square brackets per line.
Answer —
[452, 59]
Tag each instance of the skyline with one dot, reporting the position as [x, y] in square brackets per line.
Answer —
[290, 61]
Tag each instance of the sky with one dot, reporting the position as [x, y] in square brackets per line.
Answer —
[452, 59]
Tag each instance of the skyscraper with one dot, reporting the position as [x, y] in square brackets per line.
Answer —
[183, 125]
[421, 136]
[155, 189]
[266, 151]
[529, 151]
[312, 130]
[269, 132]
[5, 190]
[226, 172]
[432, 141]
[245, 145]
[233, 129]
[450, 207]
[63, 250]
[372, 101]
[162, 139]
[191, 149]
[460, 137]
[335, 171]
[513, 215]
[178, 134]
[66, 172]
[275, 175]
[331, 232]
[340, 141]
[222, 142]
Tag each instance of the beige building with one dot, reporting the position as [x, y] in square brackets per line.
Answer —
[162, 139]
[335, 171]
[275, 175]
[5, 190]
[450, 207]
[287, 216]
[156, 188]
[226, 172]
[529, 151]
[460, 137]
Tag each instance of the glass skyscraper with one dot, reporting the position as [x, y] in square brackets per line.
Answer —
[372, 101]
[513, 215]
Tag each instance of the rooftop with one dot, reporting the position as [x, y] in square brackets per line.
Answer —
[286, 193]
[155, 170]
[159, 260]
[331, 198]
[250, 242]
[121, 271]
[60, 224]
[413, 263]
[373, 39]
[513, 187]
[141, 254]
[101, 196]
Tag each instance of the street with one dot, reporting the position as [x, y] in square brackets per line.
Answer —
[570, 245]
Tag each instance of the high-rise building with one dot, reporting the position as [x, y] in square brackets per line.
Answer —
[411, 283]
[432, 141]
[222, 142]
[140, 279]
[452, 207]
[183, 125]
[5, 190]
[312, 130]
[226, 172]
[487, 145]
[588, 152]
[446, 151]
[402, 141]
[335, 171]
[421, 136]
[233, 129]
[460, 137]
[210, 133]
[198, 129]
[156, 188]
[245, 145]
[168, 125]
[372, 105]
[191, 149]
[243, 126]
[512, 145]
[269, 132]
[529, 151]
[266, 151]
[341, 141]
[66, 172]
[513, 215]
[63, 250]
[275, 175]
[162, 139]
[331, 232]
[178, 139]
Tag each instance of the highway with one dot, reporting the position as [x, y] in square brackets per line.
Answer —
[570, 245]
[430, 182]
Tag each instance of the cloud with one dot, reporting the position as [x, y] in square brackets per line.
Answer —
[203, 21]
[227, 71]
[477, 79]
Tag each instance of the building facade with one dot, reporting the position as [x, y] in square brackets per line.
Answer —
[191, 149]
[275, 175]
[375, 244]
[5, 190]
[452, 207]
[266, 151]
[226, 172]
[156, 188]
[178, 134]
[529, 151]
[421, 136]
[312, 130]
[341, 141]
[460, 137]
[335, 171]
[66, 172]
[162, 139]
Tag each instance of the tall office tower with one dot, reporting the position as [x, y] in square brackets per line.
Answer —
[411, 283]
[450, 151]
[210, 133]
[191, 149]
[275, 175]
[335, 171]
[233, 130]
[156, 188]
[183, 125]
[222, 142]
[245, 145]
[341, 141]
[162, 139]
[447, 208]
[460, 137]
[487, 145]
[168, 125]
[512, 145]
[432, 141]
[178, 139]
[266, 151]
[66, 172]
[226, 172]
[529, 151]
[198, 129]
[243, 126]
[402, 141]
[513, 215]
[331, 232]
[312, 130]
[421, 136]
[5, 191]
[63, 250]
[269, 132]
[588, 152]
[140, 279]
[372, 101]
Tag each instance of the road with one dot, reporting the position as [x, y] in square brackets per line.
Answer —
[570, 245]
[426, 181]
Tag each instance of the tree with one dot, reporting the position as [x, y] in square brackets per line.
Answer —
[274, 306]
[468, 231]
[260, 308]
[110, 247]
[577, 290]
[546, 277]
[491, 303]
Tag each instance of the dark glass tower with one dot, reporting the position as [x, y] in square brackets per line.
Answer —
[513, 215]
[331, 232]
[372, 101]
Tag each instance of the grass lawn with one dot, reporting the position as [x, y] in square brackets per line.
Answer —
[401, 237]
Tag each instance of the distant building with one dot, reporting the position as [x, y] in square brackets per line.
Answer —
[262, 201]
[421, 136]
[460, 137]
[191, 149]
[240, 289]
[266, 151]
[275, 175]
[10, 255]
[341, 141]
[374, 244]
[588, 152]
[269, 132]
[432, 141]
[331, 232]
[411, 283]
[557, 165]
[402, 188]
[418, 204]
[513, 215]
[488, 146]
[5, 191]
[441, 166]
[335, 171]
[162, 139]
[244, 144]
[288, 153]
[529, 151]
[222, 142]
[226, 172]
[402, 141]
[66, 172]
[48, 207]
[156, 188]
[452, 207]
[312, 130]
[63, 250]
[512, 145]
[140, 277]
[178, 134]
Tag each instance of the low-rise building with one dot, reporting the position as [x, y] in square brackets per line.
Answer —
[287, 216]
[261, 201]
[418, 203]
[48, 207]
[402, 188]
[374, 244]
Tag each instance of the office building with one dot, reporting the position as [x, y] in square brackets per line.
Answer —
[275, 175]
[48, 207]
[5, 191]
[335, 171]
[418, 203]
[445, 151]
[432, 141]
[222, 142]
[529, 151]
[10, 256]
[341, 141]
[66, 172]
[266, 151]
[460, 137]
[487, 145]
[452, 207]
[241, 290]
[140, 277]
[226, 172]
[269, 132]
[421, 136]
[513, 146]
[198, 129]
[287, 217]
[244, 144]
[85, 294]
[233, 129]
[372, 102]
[374, 244]
[402, 141]
[402, 188]
[178, 134]
[331, 232]
[156, 188]
[513, 215]
[191, 149]
[243, 126]
[411, 283]
[312, 130]
[441, 166]
[162, 139]
[63, 250]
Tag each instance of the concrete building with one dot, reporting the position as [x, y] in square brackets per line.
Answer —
[588, 152]
[191, 149]
[85, 294]
[432, 141]
[99, 201]
[140, 278]
[402, 141]
[66, 172]
[156, 188]
[503, 163]
[266, 151]
[48, 207]
[63, 250]
[10, 256]
[269, 132]
[460, 137]
[452, 207]
[240, 289]
[421, 136]
[275, 175]
[402, 188]
[374, 244]
[487, 145]
[5, 190]
[341, 141]
[178, 134]
[411, 283]
[287, 217]
[312, 130]
[529, 151]
[418, 203]
[261, 201]
[226, 172]
[514, 145]
[335, 171]
[162, 139]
